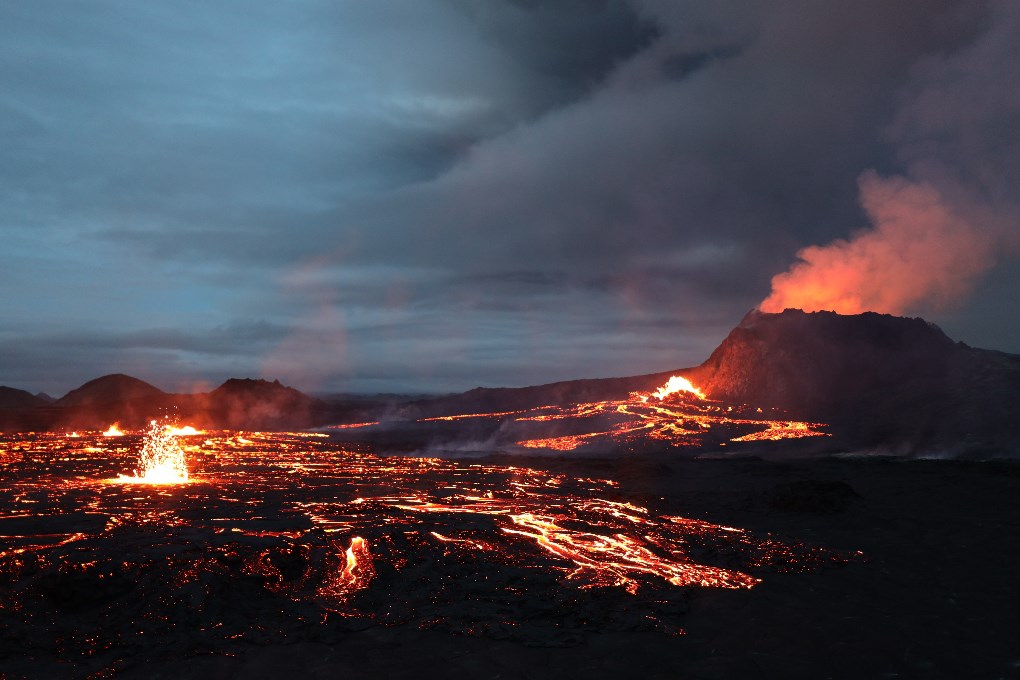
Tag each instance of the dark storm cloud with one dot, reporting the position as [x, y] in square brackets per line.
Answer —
[432, 194]
[570, 46]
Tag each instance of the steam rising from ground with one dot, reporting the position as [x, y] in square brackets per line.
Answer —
[920, 250]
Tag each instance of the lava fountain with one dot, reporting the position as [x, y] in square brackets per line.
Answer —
[677, 384]
[114, 431]
[161, 460]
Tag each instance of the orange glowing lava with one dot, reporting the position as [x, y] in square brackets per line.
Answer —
[355, 574]
[353, 426]
[300, 529]
[114, 431]
[666, 415]
[185, 431]
[161, 460]
[677, 384]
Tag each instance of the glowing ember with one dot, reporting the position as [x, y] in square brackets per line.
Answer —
[161, 460]
[114, 431]
[185, 431]
[677, 384]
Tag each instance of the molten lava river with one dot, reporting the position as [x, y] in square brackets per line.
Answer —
[202, 540]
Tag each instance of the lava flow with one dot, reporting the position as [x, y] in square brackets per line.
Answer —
[275, 533]
[677, 414]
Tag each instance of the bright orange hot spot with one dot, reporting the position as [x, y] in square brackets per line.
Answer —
[185, 431]
[355, 574]
[161, 460]
[677, 384]
[114, 431]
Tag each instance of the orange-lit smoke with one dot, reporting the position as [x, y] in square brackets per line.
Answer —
[919, 251]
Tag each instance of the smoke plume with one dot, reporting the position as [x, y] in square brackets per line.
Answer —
[920, 250]
[954, 210]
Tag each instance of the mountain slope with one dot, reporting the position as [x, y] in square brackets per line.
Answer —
[259, 404]
[13, 399]
[109, 388]
[879, 379]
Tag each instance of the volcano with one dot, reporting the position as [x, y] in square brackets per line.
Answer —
[879, 381]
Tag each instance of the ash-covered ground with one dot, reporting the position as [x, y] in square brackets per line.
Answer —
[297, 553]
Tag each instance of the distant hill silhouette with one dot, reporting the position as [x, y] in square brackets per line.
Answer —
[11, 398]
[878, 380]
[260, 404]
[110, 388]
[118, 398]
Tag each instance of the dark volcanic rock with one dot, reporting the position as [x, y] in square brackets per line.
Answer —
[812, 496]
[85, 587]
[808, 363]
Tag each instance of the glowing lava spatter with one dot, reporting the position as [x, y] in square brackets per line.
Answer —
[185, 431]
[677, 384]
[114, 431]
[161, 460]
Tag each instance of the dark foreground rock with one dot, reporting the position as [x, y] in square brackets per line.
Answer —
[813, 496]
[935, 596]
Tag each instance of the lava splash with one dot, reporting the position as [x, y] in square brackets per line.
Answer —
[162, 460]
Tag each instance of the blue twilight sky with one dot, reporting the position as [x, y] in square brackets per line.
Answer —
[430, 195]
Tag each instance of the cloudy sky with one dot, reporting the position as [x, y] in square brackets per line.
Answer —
[431, 195]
